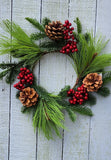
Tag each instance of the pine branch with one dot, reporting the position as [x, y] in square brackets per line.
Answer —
[45, 21]
[91, 99]
[79, 26]
[104, 91]
[106, 77]
[36, 24]
[37, 36]
[82, 110]
[63, 92]
[3, 73]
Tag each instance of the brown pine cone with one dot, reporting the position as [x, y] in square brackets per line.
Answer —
[28, 97]
[92, 82]
[54, 30]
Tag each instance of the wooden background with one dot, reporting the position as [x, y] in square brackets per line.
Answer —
[87, 138]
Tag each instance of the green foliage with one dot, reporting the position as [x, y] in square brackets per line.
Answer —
[82, 110]
[91, 99]
[85, 60]
[106, 77]
[63, 92]
[104, 91]
[79, 26]
[45, 21]
[48, 116]
[35, 23]
[71, 114]
[3, 73]
[11, 71]
[38, 36]
[49, 46]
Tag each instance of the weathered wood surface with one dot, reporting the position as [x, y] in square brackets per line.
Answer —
[87, 138]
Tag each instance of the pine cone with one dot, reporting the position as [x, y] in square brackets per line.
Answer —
[54, 30]
[28, 97]
[92, 82]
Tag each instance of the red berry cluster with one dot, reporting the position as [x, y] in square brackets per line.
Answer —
[68, 35]
[78, 96]
[26, 77]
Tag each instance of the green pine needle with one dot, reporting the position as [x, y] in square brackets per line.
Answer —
[63, 92]
[45, 21]
[79, 26]
[38, 36]
[35, 23]
[104, 91]
[106, 77]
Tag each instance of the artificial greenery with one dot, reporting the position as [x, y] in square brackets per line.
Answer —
[28, 49]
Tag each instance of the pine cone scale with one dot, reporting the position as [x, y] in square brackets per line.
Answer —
[54, 30]
[92, 82]
[28, 97]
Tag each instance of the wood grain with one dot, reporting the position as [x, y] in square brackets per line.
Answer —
[52, 77]
[5, 11]
[101, 121]
[22, 136]
[76, 141]
[87, 138]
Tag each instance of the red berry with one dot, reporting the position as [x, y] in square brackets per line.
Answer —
[81, 96]
[86, 94]
[18, 77]
[79, 89]
[60, 51]
[81, 100]
[64, 25]
[66, 22]
[73, 50]
[71, 47]
[68, 37]
[75, 42]
[86, 98]
[76, 49]
[21, 85]
[28, 71]
[67, 27]
[65, 37]
[68, 45]
[71, 101]
[72, 28]
[24, 69]
[74, 99]
[68, 93]
[26, 77]
[70, 24]
[67, 50]
[28, 80]
[73, 37]
[70, 32]
[63, 52]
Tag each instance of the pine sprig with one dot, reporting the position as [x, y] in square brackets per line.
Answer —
[106, 77]
[45, 21]
[103, 91]
[82, 110]
[38, 36]
[79, 26]
[35, 23]
[63, 92]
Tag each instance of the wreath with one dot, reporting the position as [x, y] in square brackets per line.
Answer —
[85, 52]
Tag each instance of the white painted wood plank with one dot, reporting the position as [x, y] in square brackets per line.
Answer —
[77, 139]
[4, 92]
[100, 143]
[52, 77]
[22, 137]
